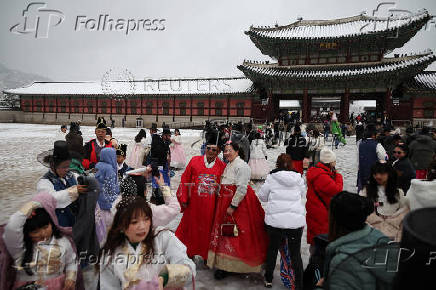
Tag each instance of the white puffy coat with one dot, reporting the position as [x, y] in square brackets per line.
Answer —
[283, 191]
[422, 193]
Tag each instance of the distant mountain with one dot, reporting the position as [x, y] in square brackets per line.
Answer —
[10, 79]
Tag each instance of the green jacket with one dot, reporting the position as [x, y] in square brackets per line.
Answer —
[336, 130]
[358, 261]
[76, 166]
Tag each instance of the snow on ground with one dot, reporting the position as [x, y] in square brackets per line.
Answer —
[20, 171]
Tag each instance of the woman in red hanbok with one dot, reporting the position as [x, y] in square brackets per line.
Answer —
[237, 203]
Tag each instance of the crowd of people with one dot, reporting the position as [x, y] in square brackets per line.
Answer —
[92, 224]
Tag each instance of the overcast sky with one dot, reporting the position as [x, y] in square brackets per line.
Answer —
[200, 38]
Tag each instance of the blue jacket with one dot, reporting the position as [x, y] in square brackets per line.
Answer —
[107, 176]
[367, 158]
[66, 216]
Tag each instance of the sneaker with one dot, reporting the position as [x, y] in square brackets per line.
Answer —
[267, 284]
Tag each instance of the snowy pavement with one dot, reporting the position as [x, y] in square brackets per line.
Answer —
[20, 171]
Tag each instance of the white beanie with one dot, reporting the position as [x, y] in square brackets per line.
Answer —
[327, 155]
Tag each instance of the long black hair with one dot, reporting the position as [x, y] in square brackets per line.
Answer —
[391, 189]
[141, 134]
[126, 211]
[39, 219]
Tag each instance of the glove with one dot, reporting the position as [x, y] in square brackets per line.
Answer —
[178, 274]
[28, 207]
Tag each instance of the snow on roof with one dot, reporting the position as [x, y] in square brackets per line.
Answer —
[336, 70]
[423, 81]
[343, 27]
[201, 86]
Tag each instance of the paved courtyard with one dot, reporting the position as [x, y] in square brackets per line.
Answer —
[20, 171]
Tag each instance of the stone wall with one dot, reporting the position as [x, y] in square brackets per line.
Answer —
[90, 119]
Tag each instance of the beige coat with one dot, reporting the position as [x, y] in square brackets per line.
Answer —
[391, 225]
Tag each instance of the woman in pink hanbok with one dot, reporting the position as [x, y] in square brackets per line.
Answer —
[178, 158]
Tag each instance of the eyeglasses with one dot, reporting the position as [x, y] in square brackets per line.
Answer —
[397, 152]
[211, 149]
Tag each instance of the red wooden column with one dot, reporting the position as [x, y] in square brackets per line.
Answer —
[228, 107]
[345, 106]
[269, 114]
[306, 107]
[388, 102]
[174, 108]
[190, 118]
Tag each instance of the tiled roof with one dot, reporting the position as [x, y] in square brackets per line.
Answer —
[425, 81]
[344, 27]
[204, 86]
[328, 71]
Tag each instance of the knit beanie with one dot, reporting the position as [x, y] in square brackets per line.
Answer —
[327, 155]
[350, 210]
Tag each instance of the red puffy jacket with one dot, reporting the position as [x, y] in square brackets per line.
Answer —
[323, 181]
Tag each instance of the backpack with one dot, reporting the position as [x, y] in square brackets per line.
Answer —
[286, 272]
[315, 269]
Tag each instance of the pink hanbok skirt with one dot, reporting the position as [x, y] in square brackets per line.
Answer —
[259, 168]
[178, 158]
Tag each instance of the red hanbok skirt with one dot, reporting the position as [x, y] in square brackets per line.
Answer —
[247, 252]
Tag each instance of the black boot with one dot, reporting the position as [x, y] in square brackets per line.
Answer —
[220, 274]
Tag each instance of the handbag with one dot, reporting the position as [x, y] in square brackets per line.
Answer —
[229, 229]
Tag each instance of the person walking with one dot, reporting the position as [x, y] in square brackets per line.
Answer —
[283, 192]
[316, 143]
[258, 164]
[178, 158]
[403, 167]
[297, 149]
[368, 153]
